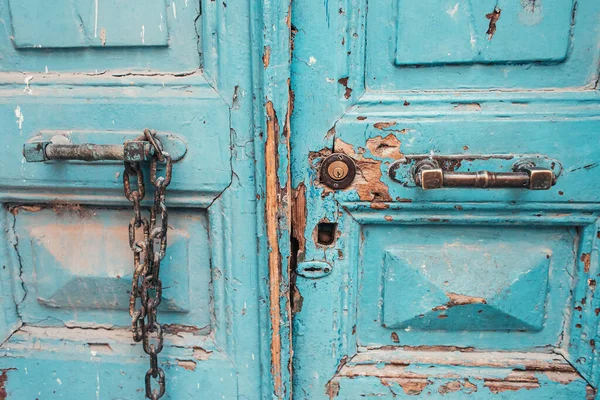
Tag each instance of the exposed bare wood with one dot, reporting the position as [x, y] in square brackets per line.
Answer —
[271, 206]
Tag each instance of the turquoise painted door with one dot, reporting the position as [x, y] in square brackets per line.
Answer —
[421, 275]
[100, 72]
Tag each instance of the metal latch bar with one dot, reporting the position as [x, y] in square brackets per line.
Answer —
[133, 151]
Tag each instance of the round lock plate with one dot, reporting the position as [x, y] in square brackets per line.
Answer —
[337, 171]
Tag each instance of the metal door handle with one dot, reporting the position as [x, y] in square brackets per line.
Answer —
[429, 175]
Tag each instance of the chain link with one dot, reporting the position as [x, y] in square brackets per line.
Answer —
[148, 253]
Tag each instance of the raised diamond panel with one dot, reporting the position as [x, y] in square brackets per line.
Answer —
[443, 295]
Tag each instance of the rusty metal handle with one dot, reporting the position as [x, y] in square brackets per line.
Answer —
[133, 151]
[429, 175]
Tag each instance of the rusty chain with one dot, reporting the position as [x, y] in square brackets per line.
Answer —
[148, 253]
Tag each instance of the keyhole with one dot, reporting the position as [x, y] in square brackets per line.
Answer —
[338, 170]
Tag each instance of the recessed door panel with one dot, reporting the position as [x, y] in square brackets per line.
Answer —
[434, 45]
[94, 24]
[92, 285]
[101, 36]
[465, 32]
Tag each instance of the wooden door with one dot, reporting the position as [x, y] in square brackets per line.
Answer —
[444, 281]
[100, 72]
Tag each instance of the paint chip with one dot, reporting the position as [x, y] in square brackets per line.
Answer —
[452, 11]
[187, 364]
[27, 88]
[103, 36]
[20, 117]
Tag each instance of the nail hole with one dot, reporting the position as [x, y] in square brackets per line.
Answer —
[326, 233]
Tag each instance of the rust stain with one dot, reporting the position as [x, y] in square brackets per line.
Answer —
[586, 260]
[388, 218]
[395, 337]
[3, 379]
[266, 56]
[274, 260]
[361, 118]
[175, 329]
[66, 208]
[344, 83]
[459, 300]
[494, 16]
[58, 207]
[332, 389]
[187, 364]
[14, 210]
[367, 183]
[388, 147]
